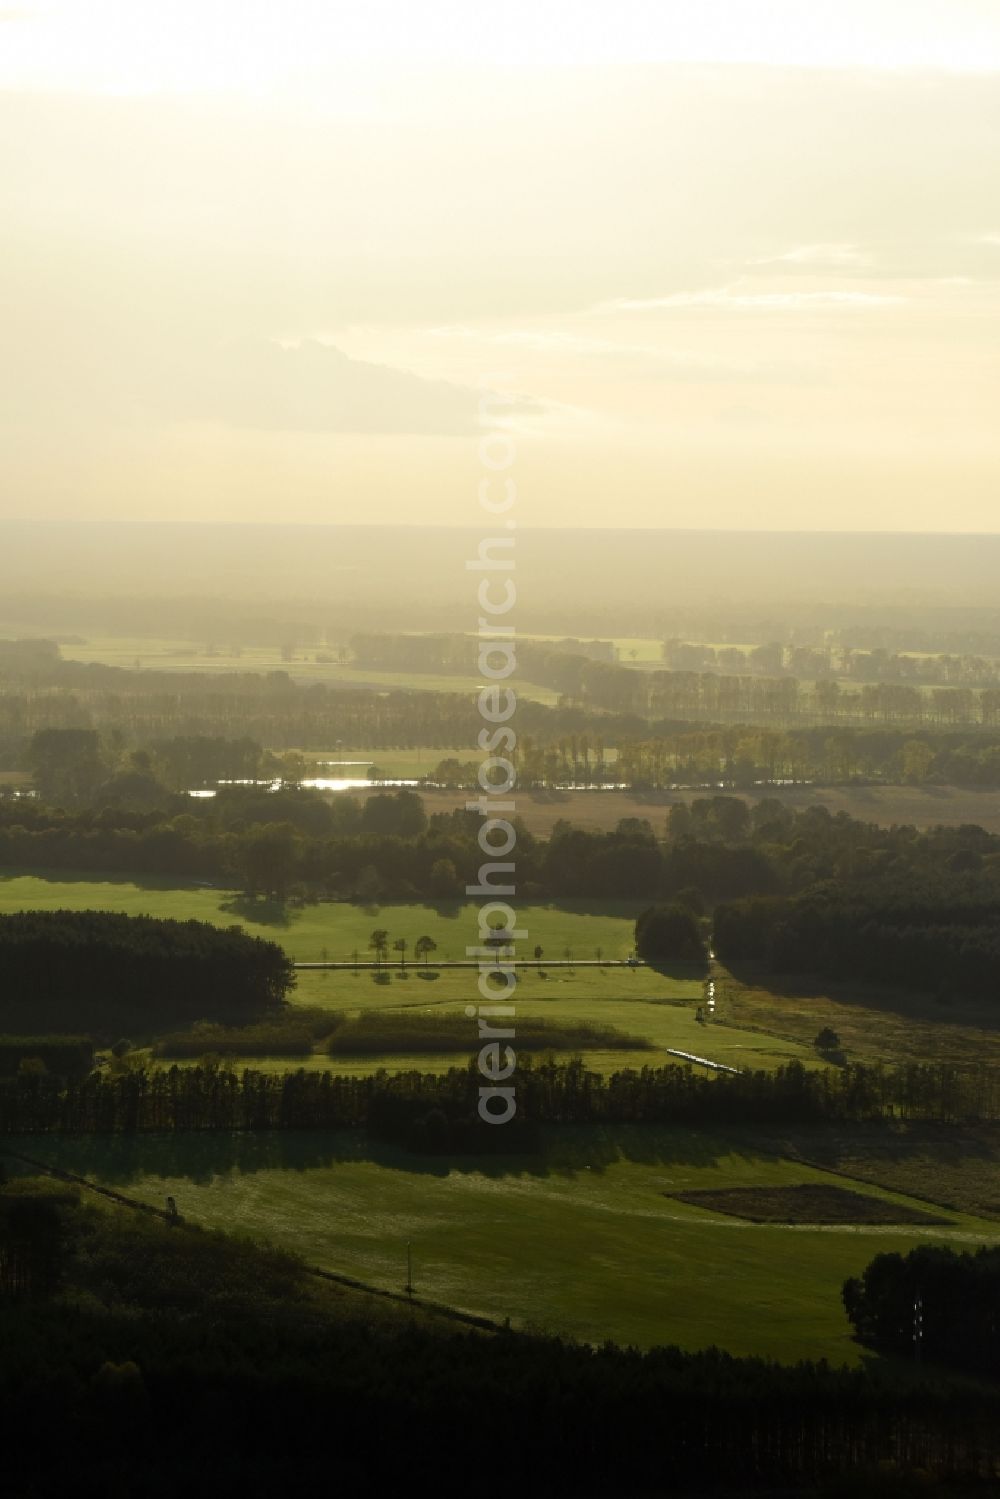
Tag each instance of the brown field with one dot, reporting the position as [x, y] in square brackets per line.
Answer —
[924, 806]
[953, 1166]
[807, 1202]
[875, 1024]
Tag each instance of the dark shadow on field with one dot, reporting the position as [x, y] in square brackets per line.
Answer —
[908, 1003]
[447, 907]
[885, 1141]
[258, 912]
[691, 971]
[203, 1156]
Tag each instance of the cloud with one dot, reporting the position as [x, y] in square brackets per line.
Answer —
[727, 299]
[315, 387]
[639, 361]
[818, 256]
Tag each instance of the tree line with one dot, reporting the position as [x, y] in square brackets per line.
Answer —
[127, 746]
[815, 662]
[940, 934]
[294, 844]
[424, 1110]
[716, 697]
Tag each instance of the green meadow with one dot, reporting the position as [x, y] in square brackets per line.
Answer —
[330, 929]
[656, 1007]
[587, 1239]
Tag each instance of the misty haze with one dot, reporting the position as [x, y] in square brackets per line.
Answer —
[500, 748]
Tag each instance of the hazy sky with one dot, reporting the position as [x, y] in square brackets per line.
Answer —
[739, 260]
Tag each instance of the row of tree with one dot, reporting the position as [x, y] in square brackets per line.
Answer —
[816, 662]
[293, 842]
[548, 1092]
[712, 696]
[122, 749]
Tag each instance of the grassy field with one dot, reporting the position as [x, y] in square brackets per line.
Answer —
[138, 653]
[583, 1240]
[754, 1027]
[638, 648]
[874, 1024]
[394, 764]
[660, 1011]
[332, 929]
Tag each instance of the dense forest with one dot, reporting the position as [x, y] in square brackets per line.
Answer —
[102, 974]
[191, 730]
[194, 728]
[936, 932]
[294, 844]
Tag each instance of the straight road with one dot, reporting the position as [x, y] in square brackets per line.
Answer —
[474, 963]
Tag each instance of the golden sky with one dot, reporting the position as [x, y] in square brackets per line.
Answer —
[738, 260]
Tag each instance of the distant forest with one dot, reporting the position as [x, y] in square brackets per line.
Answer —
[676, 733]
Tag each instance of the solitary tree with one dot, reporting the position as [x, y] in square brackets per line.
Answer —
[423, 946]
[400, 945]
[379, 943]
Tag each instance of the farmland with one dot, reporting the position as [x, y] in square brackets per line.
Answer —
[754, 1026]
[601, 811]
[581, 1240]
[139, 653]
